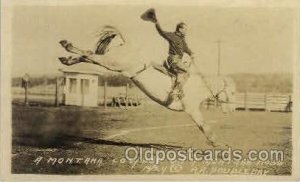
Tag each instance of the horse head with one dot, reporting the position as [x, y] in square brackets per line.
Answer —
[109, 37]
[227, 94]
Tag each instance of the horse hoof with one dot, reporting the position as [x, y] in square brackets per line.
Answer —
[65, 61]
[63, 43]
[218, 144]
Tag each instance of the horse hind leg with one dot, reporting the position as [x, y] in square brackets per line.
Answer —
[204, 128]
[198, 119]
[69, 60]
[70, 48]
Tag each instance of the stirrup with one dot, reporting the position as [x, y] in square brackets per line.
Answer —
[177, 93]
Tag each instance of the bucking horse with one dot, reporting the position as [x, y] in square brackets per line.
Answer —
[154, 80]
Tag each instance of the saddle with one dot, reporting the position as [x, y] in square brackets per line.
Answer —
[173, 92]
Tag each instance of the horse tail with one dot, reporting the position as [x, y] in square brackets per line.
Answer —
[106, 36]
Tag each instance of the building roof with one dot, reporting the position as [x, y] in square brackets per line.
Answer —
[84, 68]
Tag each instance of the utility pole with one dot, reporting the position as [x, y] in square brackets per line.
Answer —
[219, 57]
[105, 94]
[219, 67]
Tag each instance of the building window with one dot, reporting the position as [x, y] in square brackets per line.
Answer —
[73, 85]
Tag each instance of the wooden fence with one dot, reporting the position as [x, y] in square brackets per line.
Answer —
[260, 101]
[53, 94]
[243, 101]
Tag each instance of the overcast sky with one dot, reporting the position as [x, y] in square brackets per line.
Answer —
[254, 40]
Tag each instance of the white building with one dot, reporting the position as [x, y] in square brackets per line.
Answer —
[81, 84]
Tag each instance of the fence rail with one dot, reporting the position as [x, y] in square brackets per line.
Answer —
[260, 101]
[267, 102]
[243, 101]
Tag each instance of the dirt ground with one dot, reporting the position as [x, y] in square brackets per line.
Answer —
[75, 140]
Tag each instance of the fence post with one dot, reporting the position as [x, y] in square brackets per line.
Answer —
[25, 85]
[266, 102]
[56, 92]
[289, 109]
[126, 95]
[26, 94]
[245, 101]
[105, 94]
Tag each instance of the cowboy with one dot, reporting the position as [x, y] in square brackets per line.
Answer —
[177, 48]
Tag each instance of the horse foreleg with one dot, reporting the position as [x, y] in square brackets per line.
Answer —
[225, 108]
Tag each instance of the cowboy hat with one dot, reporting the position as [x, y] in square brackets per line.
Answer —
[149, 15]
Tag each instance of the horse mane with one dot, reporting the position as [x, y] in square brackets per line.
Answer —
[106, 35]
